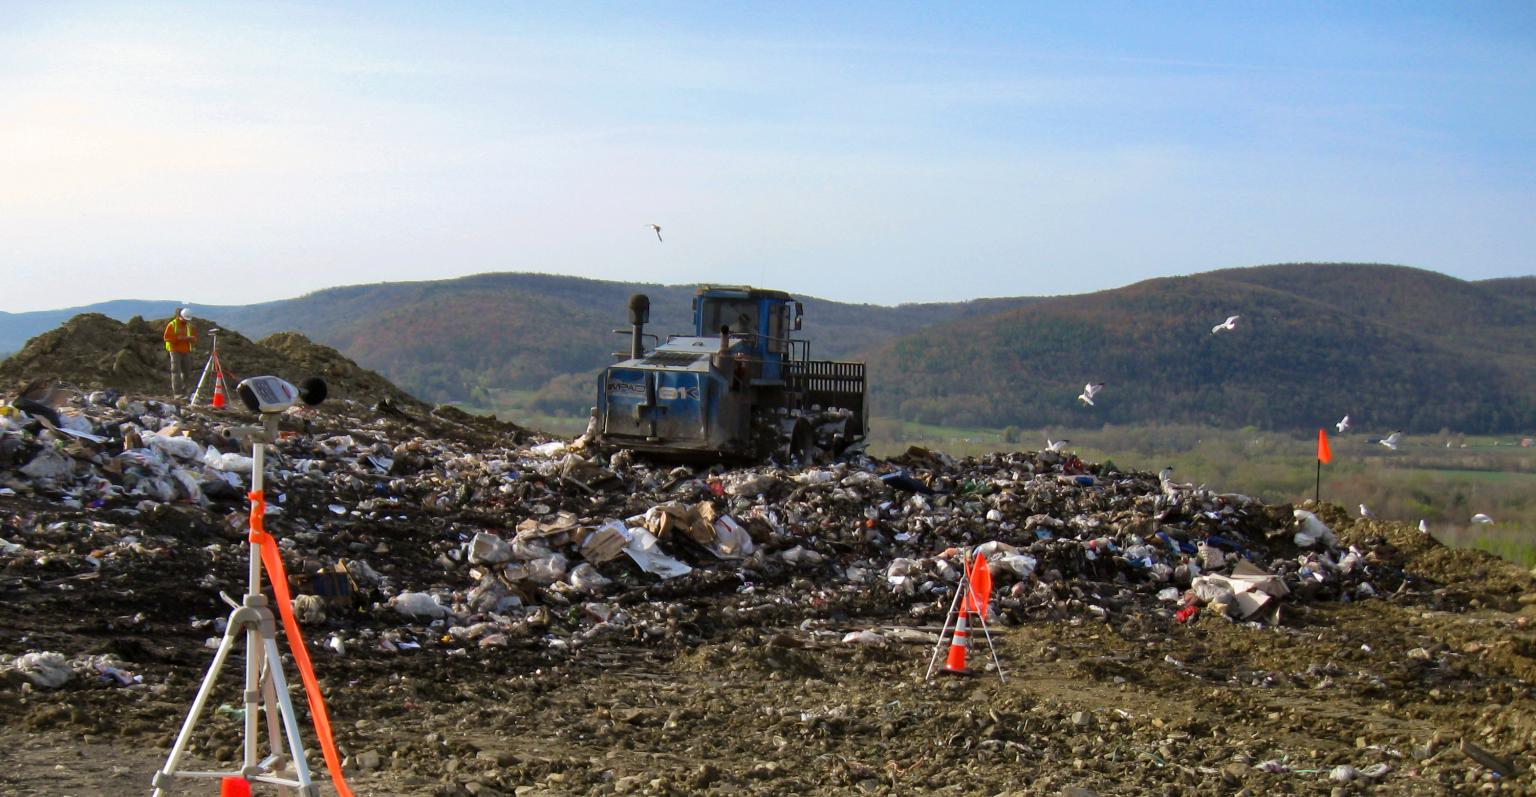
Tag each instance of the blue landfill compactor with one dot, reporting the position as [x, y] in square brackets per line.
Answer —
[739, 387]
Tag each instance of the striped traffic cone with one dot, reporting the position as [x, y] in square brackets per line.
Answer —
[959, 645]
[218, 392]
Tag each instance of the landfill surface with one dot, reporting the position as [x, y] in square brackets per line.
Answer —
[494, 612]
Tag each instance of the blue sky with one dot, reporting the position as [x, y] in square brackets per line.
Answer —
[881, 152]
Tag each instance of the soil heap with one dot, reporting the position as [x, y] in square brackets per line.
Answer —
[92, 351]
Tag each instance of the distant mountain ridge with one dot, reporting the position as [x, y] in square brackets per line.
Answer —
[1394, 347]
[458, 339]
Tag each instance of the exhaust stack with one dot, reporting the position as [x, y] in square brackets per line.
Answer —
[639, 315]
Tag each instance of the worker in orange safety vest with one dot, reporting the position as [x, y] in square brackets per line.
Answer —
[178, 341]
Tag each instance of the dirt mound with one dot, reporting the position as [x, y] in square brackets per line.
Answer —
[94, 351]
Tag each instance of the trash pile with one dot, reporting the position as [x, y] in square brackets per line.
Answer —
[460, 579]
[409, 529]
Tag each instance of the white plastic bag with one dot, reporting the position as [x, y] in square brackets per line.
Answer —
[419, 604]
[231, 462]
[585, 578]
[489, 549]
[179, 447]
[1313, 531]
[547, 570]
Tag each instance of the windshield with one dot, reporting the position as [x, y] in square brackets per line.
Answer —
[738, 314]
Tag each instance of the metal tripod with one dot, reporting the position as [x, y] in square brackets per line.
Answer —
[265, 686]
[213, 366]
[957, 606]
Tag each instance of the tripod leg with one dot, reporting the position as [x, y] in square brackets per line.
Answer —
[964, 585]
[290, 720]
[201, 379]
[274, 717]
[164, 776]
[253, 662]
[992, 649]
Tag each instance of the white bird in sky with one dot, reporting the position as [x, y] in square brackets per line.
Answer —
[1055, 445]
[1089, 391]
[1343, 426]
[1365, 511]
[1483, 519]
[657, 228]
[1230, 323]
[1391, 440]
[1423, 526]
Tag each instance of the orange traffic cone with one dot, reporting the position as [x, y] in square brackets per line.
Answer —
[218, 392]
[959, 645]
[234, 787]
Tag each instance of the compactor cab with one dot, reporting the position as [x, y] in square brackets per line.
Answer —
[741, 386]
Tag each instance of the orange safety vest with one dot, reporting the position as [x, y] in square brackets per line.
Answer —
[178, 336]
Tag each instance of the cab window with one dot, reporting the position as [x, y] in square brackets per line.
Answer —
[738, 314]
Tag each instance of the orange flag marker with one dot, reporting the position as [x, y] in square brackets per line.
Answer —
[1324, 454]
[979, 592]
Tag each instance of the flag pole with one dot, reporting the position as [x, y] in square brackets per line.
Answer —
[1324, 454]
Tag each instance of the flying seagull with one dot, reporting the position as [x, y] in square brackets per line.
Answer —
[1483, 519]
[1391, 440]
[1055, 445]
[657, 228]
[1230, 323]
[1089, 391]
[1343, 426]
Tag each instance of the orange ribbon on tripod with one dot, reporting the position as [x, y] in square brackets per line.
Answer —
[273, 560]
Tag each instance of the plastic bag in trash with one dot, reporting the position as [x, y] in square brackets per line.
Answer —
[232, 462]
[419, 604]
[309, 609]
[179, 447]
[48, 465]
[899, 573]
[1211, 557]
[585, 577]
[75, 423]
[46, 669]
[191, 485]
[750, 485]
[554, 448]
[548, 569]
[489, 549]
[816, 477]
[1022, 565]
[731, 540]
[1212, 589]
[802, 556]
[1313, 531]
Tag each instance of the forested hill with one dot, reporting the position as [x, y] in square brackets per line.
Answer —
[1393, 347]
[461, 339]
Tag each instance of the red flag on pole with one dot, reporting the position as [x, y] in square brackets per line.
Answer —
[979, 593]
[1324, 455]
